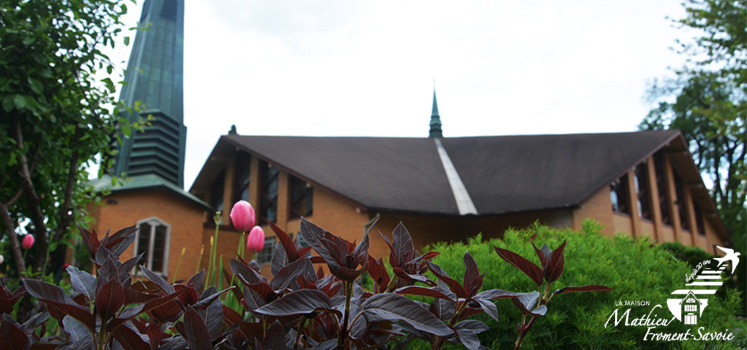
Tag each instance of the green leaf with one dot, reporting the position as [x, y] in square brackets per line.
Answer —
[109, 84]
[19, 101]
[8, 103]
[126, 130]
[127, 40]
[28, 40]
[36, 86]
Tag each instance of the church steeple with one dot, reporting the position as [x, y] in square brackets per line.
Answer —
[155, 79]
[435, 123]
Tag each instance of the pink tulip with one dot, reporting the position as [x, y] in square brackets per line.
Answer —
[28, 241]
[256, 240]
[242, 216]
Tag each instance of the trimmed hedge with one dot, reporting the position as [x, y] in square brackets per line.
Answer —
[637, 270]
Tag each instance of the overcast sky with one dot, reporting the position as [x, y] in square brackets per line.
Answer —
[366, 68]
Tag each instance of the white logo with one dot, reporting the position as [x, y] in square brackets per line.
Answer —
[689, 308]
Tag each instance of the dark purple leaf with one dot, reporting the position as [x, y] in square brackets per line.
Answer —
[527, 267]
[82, 282]
[543, 254]
[213, 316]
[454, 286]
[125, 271]
[252, 299]
[30, 325]
[91, 240]
[198, 281]
[287, 243]
[195, 330]
[279, 259]
[473, 325]
[120, 241]
[497, 294]
[158, 280]
[556, 263]
[468, 338]
[246, 273]
[444, 308]
[300, 302]
[155, 335]
[85, 343]
[288, 274]
[472, 277]
[275, 337]
[58, 302]
[109, 299]
[589, 288]
[489, 308]
[313, 235]
[526, 304]
[75, 328]
[165, 301]
[422, 291]
[378, 273]
[129, 339]
[393, 307]
[12, 337]
[132, 296]
[403, 248]
[403, 275]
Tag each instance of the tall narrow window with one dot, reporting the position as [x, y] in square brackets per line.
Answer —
[216, 191]
[679, 188]
[619, 195]
[269, 199]
[661, 186]
[243, 176]
[302, 198]
[643, 192]
[699, 219]
[153, 242]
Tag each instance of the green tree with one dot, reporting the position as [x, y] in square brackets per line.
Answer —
[56, 115]
[708, 103]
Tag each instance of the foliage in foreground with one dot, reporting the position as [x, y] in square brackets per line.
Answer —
[634, 269]
[299, 307]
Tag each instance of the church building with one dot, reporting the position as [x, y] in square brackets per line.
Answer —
[441, 188]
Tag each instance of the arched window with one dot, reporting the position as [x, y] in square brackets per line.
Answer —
[152, 240]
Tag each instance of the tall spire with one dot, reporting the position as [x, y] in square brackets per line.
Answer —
[435, 123]
[154, 76]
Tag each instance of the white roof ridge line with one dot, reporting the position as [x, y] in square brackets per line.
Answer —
[461, 195]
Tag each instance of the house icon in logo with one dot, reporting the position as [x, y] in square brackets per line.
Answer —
[690, 308]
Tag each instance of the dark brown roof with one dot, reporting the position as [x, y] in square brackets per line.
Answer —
[502, 174]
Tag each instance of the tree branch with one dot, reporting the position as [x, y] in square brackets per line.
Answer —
[65, 216]
[14, 246]
[34, 204]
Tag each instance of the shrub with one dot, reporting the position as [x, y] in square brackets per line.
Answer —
[299, 307]
[634, 269]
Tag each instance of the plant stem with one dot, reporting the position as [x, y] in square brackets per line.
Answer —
[343, 335]
[391, 285]
[523, 332]
[179, 263]
[199, 260]
[439, 341]
[300, 330]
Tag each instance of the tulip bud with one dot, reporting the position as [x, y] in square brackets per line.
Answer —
[256, 240]
[242, 216]
[28, 241]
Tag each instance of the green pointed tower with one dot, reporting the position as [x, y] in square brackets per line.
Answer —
[155, 78]
[435, 123]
